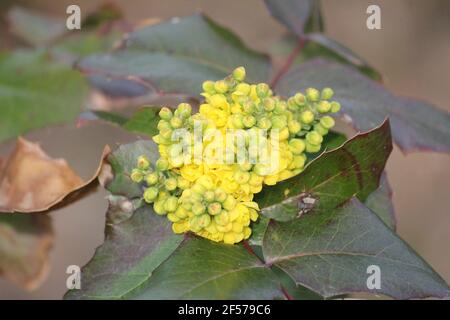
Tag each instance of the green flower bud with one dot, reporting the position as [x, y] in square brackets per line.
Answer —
[163, 124]
[171, 184]
[320, 129]
[327, 94]
[221, 195]
[300, 99]
[162, 164]
[243, 88]
[159, 207]
[314, 138]
[323, 106]
[184, 110]
[292, 104]
[172, 217]
[171, 204]
[221, 86]
[209, 196]
[208, 87]
[181, 212]
[249, 121]
[294, 126]
[307, 117]
[198, 208]
[262, 90]
[312, 94]
[229, 203]
[269, 104]
[246, 166]
[297, 146]
[280, 107]
[312, 148]
[264, 123]
[176, 122]
[151, 178]
[279, 122]
[241, 177]
[143, 163]
[222, 219]
[165, 113]
[249, 107]
[327, 122]
[183, 183]
[239, 74]
[150, 194]
[335, 106]
[214, 208]
[203, 221]
[166, 134]
[136, 175]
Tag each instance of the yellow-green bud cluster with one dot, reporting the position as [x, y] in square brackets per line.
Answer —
[214, 200]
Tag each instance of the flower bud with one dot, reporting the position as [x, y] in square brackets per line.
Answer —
[170, 184]
[327, 122]
[198, 208]
[249, 121]
[162, 164]
[279, 122]
[264, 123]
[150, 194]
[327, 94]
[323, 106]
[203, 221]
[221, 86]
[159, 207]
[208, 87]
[312, 148]
[171, 204]
[299, 99]
[262, 90]
[222, 219]
[314, 138]
[214, 208]
[335, 107]
[143, 163]
[136, 175]
[297, 146]
[221, 195]
[320, 129]
[294, 126]
[312, 94]
[269, 104]
[184, 110]
[243, 88]
[176, 122]
[239, 74]
[151, 178]
[165, 113]
[307, 117]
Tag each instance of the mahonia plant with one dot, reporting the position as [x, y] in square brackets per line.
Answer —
[213, 198]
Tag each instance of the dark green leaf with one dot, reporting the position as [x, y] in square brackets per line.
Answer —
[293, 14]
[123, 160]
[416, 125]
[177, 56]
[130, 254]
[144, 121]
[333, 178]
[34, 28]
[35, 91]
[380, 202]
[329, 252]
[202, 269]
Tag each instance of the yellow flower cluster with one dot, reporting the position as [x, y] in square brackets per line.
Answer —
[211, 195]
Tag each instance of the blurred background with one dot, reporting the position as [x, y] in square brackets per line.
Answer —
[412, 52]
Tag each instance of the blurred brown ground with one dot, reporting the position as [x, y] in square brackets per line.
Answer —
[412, 52]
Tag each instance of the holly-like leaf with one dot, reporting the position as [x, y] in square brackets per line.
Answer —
[330, 251]
[144, 121]
[25, 242]
[35, 91]
[123, 161]
[416, 125]
[33, 28]
[380, 202]
[132, 250]
[176, 57]
[293, 14]
[202, 269]
[331, 179]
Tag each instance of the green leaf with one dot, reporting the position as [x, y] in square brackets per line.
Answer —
[177, 56]
[123, 161]
[144, 121]
[331, 179]
[130, 254]
[35, 92]
[202, 269]
[380, 202]
[329, 252]
[293, 14]
[35, 29]
[416, 125]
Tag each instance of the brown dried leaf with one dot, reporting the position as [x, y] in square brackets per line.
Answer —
[32, 181]
[25, 242]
